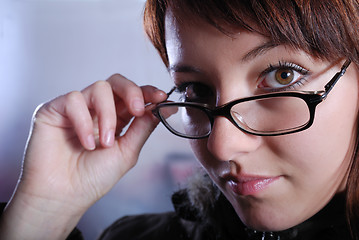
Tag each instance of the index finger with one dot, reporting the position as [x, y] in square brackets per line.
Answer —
[129, 93]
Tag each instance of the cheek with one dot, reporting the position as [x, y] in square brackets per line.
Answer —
[322, 152]
[333, 133]
[199, 148]
[209, 163]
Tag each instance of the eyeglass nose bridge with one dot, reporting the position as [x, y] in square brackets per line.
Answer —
[225, 111]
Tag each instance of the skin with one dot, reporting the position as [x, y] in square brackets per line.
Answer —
[309, 167]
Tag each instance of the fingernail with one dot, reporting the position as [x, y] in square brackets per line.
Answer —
[109, 138]
[137, 105]
[91, 142]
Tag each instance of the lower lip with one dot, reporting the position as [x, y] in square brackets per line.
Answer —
[251, 187]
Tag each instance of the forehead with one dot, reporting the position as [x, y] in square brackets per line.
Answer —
[188, 37]
[195, 46]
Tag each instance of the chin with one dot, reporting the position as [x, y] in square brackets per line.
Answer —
[267, 222]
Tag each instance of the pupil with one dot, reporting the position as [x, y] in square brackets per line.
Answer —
[285, 75]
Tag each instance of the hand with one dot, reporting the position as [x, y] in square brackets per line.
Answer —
[75, 154]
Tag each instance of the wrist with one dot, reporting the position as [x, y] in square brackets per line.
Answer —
[32, 217]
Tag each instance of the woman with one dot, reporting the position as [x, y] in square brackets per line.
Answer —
[270, 92]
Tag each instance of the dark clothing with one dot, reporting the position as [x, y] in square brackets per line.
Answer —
[221, 223]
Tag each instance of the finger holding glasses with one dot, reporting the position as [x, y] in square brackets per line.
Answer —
[65, 171]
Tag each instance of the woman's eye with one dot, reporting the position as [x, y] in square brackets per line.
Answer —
[281, 78]
[197, 92]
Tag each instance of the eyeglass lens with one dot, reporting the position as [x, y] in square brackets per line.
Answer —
[261, 116]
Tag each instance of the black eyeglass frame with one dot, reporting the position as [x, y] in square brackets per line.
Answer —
[311, 98]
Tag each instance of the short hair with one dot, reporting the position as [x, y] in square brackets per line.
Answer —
[327, 30]
[324, 29]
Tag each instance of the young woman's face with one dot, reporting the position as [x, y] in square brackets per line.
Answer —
[276, 182]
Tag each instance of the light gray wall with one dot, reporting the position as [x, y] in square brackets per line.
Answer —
[50, 47]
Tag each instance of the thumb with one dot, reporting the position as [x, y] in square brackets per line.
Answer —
[138, 133]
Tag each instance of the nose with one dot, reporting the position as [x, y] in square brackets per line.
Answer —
[227, 142]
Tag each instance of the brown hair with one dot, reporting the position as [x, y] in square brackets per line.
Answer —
[324, 29]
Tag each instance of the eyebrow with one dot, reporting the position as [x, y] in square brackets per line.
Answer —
[259, 50]
[255, 52]
[183, 69]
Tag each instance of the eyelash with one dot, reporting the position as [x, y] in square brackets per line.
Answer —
[291, 66]
[181, 88]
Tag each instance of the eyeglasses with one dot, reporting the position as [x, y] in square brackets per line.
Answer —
[270, 114]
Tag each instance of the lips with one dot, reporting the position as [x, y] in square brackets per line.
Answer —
[249, 185]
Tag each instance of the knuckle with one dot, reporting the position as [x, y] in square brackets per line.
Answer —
[101, 84]
[73, 101]
[39, 110]
[73, 97]
[117, 77]
[119, 81]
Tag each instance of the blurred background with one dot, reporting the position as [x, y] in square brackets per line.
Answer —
[50, 47]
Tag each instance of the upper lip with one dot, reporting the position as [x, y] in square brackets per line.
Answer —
[242, 178]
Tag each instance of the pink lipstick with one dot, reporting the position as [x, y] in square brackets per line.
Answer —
[250, 185]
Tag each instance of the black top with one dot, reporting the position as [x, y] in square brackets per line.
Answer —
[221, 223]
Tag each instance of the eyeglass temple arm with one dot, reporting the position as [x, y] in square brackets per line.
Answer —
[329, 86]
[170, 92]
